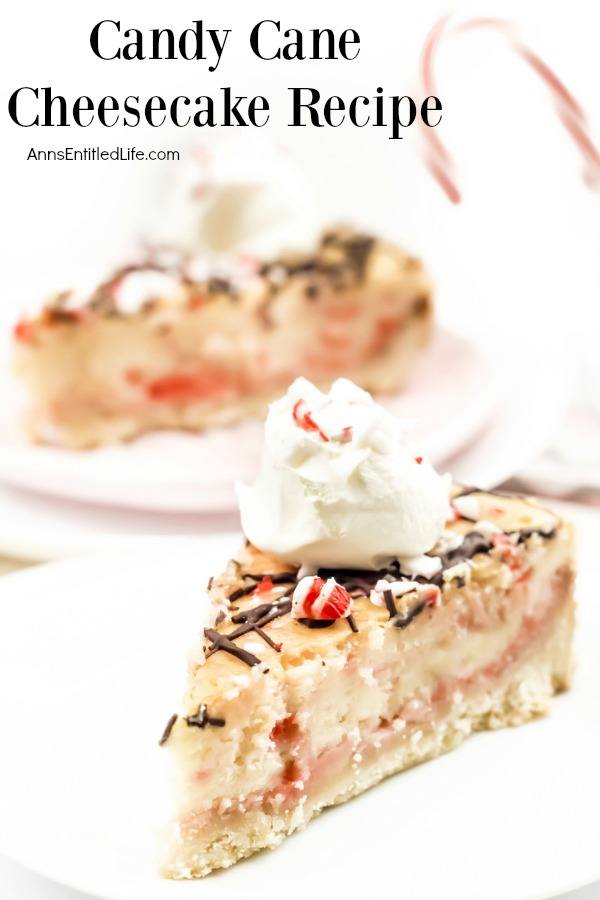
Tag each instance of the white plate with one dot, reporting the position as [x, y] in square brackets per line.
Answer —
[91, 665]
[531, 398]
[37, 527]
[451, 397]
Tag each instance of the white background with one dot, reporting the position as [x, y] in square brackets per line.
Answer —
[520, 254]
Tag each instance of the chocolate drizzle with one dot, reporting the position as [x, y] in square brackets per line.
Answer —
[473, 543]
[253, 619]
[358, 583]
[525, 533]
[342, 255]
[201, 719]
[402, 621]
[317, 623]
[327, 623]
[220, 286]
[223, 642]
[277, 578]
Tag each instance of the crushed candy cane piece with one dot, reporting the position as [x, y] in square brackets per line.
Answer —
[428, 593]
[425, 566]
[467, 507]
[264, 586]
[487, 529]
[431, 594]
[303, 418]
[398, 588]
[314, 598]
[461, 570]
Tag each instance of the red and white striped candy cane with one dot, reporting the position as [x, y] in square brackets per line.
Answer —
[436, 156]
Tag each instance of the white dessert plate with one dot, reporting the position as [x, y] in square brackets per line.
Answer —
[92, 657]
[451, 396]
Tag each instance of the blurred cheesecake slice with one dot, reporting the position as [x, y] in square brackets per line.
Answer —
[171, 343]
[310, 688]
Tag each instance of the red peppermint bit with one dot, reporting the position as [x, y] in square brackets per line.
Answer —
[292, 771]
[525, 575]
[336, 605]
[249, 262]
[23, 331]
[196, 300]
[284, 730]
[264, 586]
[346, 435]
[496, 510]
[508, 551]
[134, 376]
[432, 596]
[304, 419]
[311, 596]
[183, 387]
[316, 599]
[418, 460]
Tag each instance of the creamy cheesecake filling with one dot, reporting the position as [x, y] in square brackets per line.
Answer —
[408, 706]
[191, 353]
[167, 372]
[385, 617]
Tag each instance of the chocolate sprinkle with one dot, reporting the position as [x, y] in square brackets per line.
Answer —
[389, 602]
[352, 623]
[412, 613]
[358, 249]
[473, 543]
[201, 719]
[168, 729]
[253, 619]
[358, 582]
[220, 286]
[241, 592]
[402, 621]
[223, 642]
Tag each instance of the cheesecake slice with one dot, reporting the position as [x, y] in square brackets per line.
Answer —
[313, 685]
[172, 342]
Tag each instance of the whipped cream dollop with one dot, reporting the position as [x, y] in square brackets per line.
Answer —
[341, 484]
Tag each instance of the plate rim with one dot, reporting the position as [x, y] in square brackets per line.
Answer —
[17, 467]
[590, 569]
